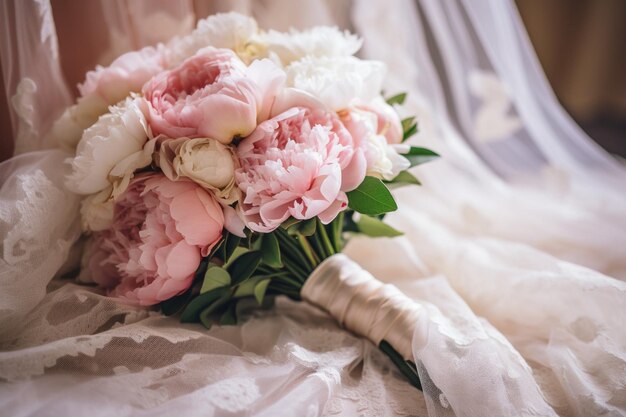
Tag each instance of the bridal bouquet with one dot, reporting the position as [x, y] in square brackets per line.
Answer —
[231, 164]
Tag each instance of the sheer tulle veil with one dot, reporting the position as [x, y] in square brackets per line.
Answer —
[515, 243]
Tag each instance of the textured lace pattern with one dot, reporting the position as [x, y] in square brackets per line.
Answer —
[38, 228]
[149, 362]
[23, 103]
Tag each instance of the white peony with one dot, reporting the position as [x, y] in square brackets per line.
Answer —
[337, 81]
[66, 131]
[387, 163]
[319, 41]
[114, 137]
[97, 211]
[383, 159]
[205, 161]
[224, 30]
[124, 171]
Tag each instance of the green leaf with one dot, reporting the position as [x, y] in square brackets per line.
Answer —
[256, 243]
[303, 227]
[217, 248]
[289, 222]
[397, 99]
[230, 244]
[239, 250]
[406, 177]
[371, 197]
[175, 304]
[214, 277]
[244, 266]
[410, 132]
[205, 315]
[307, 227]
[409, 128]
[271, 250]
[403, 178]
[417, 156]
[246, 288]
[407, 123]
[260, 289]
[195, 307]
[373, 227]
[229, 318]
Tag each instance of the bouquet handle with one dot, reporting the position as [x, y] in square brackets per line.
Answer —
[366, 306]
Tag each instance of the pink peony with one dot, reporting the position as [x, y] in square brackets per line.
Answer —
[389, 124]
[128, 73]
[377, 130]
[300, 164]
[388, 121]
[160, 231]
[213, 95]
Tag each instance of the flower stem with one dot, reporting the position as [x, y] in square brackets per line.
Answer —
[335, 229]
[308, 250]
[293, 249]
[295, 270]
[321, 231]
[407, 368]
[288, 281]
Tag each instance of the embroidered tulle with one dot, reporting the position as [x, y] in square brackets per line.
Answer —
[514, 246]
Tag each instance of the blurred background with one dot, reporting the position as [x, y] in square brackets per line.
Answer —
[580, 44]
[582, 47]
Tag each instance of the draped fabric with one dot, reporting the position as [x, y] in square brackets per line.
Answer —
[514, 246]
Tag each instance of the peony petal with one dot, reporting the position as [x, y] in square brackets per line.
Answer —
[354, 173]
[270, 79]
[182, 260]
[171, 288]
[233, 222]
[199, 219]
[293, 97]
[334, 209]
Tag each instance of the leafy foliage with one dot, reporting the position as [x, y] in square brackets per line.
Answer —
[371, 197]
[403, 178]
[409, 128]
[418, 156]
[270, 250]
[373, 227]
[397, 99]
[214, 277]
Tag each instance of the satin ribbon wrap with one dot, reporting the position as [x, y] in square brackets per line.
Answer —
[363, 304]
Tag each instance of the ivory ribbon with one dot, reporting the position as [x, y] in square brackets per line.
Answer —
[363, 304]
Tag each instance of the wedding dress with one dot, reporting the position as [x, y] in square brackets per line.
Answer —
[515, 245]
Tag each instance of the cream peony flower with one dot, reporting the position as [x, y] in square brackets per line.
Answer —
[205, 161]
[114, 137]
[224, 30]
[68, 128]
[337, 81]
[97, 211]
[105, 86]
[319, 41]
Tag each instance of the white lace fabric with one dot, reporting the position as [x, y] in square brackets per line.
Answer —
[514, 246]
[127, 361]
